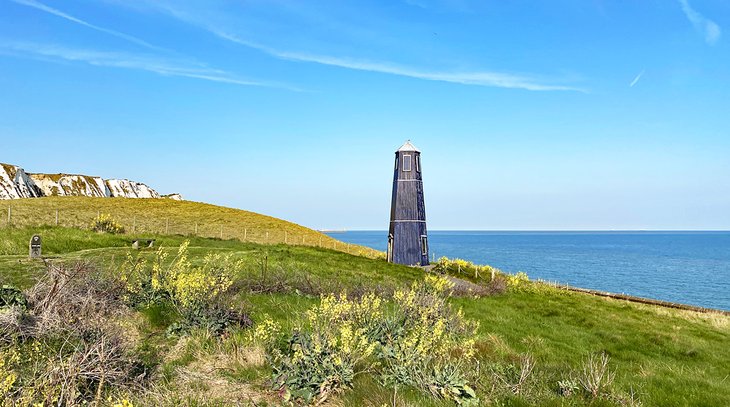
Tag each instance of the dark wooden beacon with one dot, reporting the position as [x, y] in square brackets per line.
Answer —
[407, 238]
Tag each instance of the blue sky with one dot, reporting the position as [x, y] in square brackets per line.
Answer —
[563, 114]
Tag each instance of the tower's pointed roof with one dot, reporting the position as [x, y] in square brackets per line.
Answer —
[407, 146]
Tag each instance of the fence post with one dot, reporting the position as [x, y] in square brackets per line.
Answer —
[304, 239]
[245, 234]
[267, 236]
[196, 228]
[285, 237]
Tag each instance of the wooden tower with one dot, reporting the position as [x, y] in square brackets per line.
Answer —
[407, 238]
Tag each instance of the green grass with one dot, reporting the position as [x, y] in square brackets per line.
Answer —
[152, 217]
[109, 251]
[670, 357]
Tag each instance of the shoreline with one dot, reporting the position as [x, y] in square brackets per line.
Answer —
[602, 263]
[640, 300]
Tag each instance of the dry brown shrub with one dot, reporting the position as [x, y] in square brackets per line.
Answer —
[85, 370]
[78, 350]
[596, 378]
[497, 286]
[74, 298]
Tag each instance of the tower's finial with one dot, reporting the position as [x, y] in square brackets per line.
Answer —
[408, 146]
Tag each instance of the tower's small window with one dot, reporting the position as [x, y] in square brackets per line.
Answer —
[406, 162]
[424, 245]
[418, 163]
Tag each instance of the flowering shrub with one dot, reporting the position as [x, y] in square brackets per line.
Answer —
[194, 291]
[13, 390]
[106, 224]
[435, 343]
[8, 358]
[120, 403]
[444, 265]
[179, 281]
[326, 355]
[419, 341]
[519, 282]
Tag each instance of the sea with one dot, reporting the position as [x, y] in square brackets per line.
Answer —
[686, 267]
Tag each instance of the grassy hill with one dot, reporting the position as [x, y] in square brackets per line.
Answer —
[146, 217]
[533, 345]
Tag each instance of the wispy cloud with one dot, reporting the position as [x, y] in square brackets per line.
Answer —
[50, 10]
[636, 79]
[476, 78]
[161, 66]
[472, 78]
[705, 26]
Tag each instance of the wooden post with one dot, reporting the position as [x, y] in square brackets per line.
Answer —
[245, 234]
[167, 226]
[196, 228]
[267, 236]
[492, 274]
[303, 239]
[285, 237]
[56, 217]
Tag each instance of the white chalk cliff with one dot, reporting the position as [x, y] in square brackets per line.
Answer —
[15, 183]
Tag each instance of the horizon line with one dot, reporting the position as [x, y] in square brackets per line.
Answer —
[531, 230]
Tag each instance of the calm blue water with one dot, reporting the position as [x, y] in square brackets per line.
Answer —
[687, 267]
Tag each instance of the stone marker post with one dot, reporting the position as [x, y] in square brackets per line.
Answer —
[35, 247]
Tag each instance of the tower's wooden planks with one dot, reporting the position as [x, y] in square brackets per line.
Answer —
[407, 237]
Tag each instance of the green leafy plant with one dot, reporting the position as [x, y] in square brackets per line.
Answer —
[568, 387]
[12, 296]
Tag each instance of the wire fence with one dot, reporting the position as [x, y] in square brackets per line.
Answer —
[136, 226]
